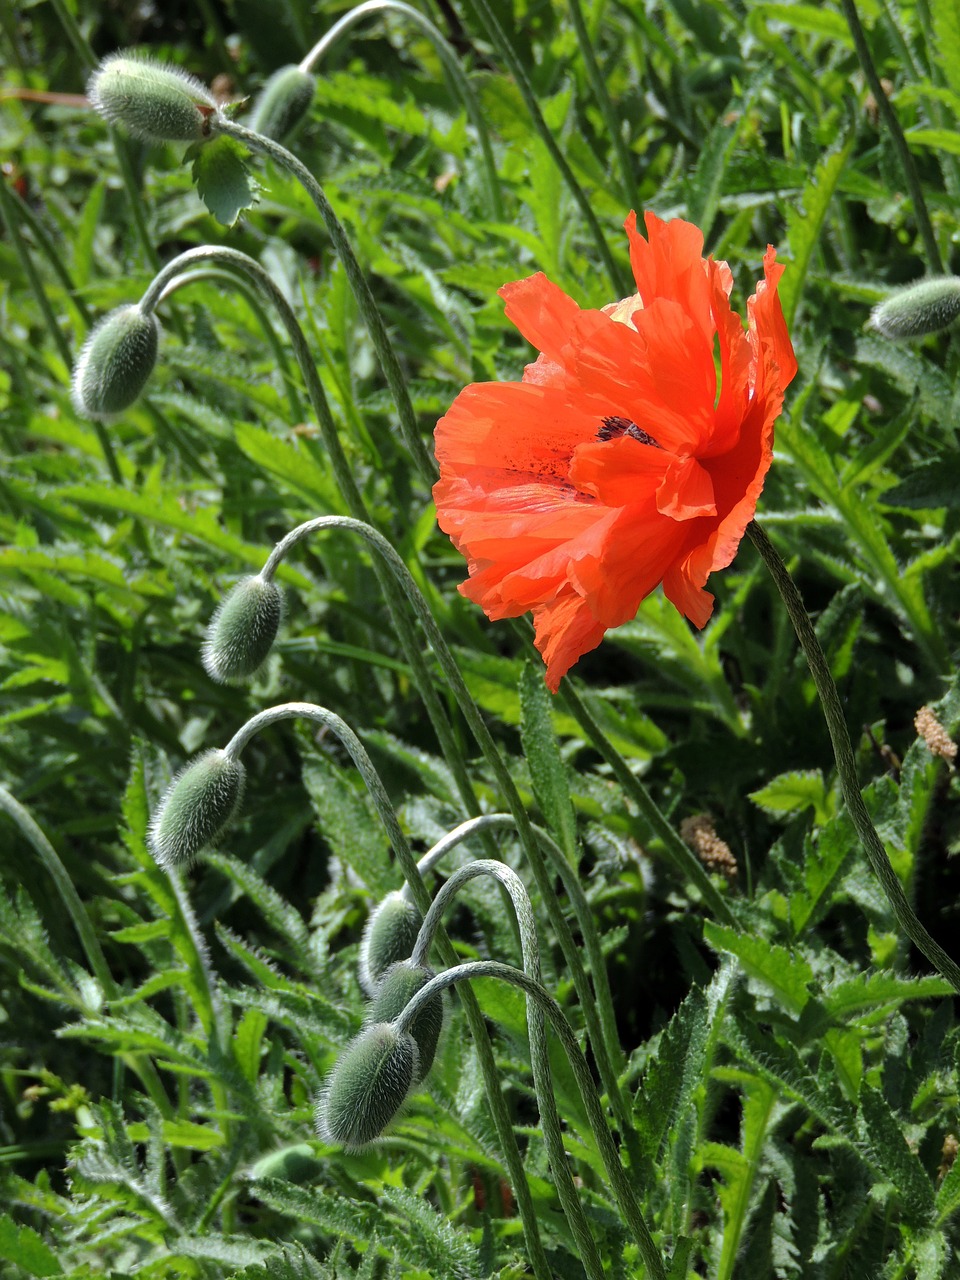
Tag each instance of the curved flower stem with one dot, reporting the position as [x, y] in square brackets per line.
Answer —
[622, 1188]
[846, 761]
[539, 1053]
[497, 35]
[684, 860]
[385, 810]
[597, 1005]
[451, 65]
[904, 155]
[599, 87]
[471, 713]
[253, 302]
[386, 355]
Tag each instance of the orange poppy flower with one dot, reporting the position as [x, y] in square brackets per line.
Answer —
[618, 463]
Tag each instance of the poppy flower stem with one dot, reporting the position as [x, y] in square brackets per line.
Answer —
[621, 1184]
[539, 1052]
[386, 354]
[846, 761]
[401, 846]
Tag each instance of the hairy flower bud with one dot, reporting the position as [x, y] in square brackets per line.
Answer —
[243, 629]
[115, 362]
[921, 308]
[397, 987]
[389, 936]
[199, 803]
[367, 1086]
[150, 100]
[282, 103]
[296, 1163]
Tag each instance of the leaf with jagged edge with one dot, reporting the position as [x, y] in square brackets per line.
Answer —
[547, 768]
[224, 182]
[279, 913]
[26, 1250]
[882, 1136]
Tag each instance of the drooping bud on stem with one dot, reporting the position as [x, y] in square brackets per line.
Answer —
[921, 308]
[282, 103]
[397, 986]
[115, 362]
[243, 629]
[367, 1087]
[150, 100]
[200, 802]
[389, 936]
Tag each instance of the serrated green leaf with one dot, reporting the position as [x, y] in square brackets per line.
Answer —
[547, 769]
[224, 181]
[793, 792]
[25, 1249]
[785, 974]
[881, 1133]
[803, 228]
[930, 486]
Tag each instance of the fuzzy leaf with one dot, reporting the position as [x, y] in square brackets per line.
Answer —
[223, 178]
[547, 769]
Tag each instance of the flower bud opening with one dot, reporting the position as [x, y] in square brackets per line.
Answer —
[115, 362]
[199, 803]
[396, 989]
[282, 103]
[151, 101]
[921, 308]
[243, 629]
[367, 1087]
[389, 936]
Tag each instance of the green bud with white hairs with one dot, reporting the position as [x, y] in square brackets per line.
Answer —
[243, 629]
[367, 1086]
[390, 936]
[925, 307]
[199, 803]
[396, 989]
[115, 362]
[282, 103]
[150, 100]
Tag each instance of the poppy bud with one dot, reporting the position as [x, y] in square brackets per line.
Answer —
[367, 1086]
[282, 103]
[921, 308]
[115, 362]
[296, 1163]
[390, 936]
[243, 629]
[396, 989]
[199, 803]
[150, 100]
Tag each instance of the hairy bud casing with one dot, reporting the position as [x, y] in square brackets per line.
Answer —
[150, 100]
[925, 307]
[282, 103]
[296, 1163]
[115, 362]
[367, 1086]
[243, 629]
[390, 936]
[396, 988]
[198, 805]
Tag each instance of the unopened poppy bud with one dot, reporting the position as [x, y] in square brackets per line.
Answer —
[199, 803]
[296, 1163]
[389, 936]
[396, 989]
[282, 103]
[243, 629]
[150, 100]
[115, 362]
[367, 1087]
[921, 308]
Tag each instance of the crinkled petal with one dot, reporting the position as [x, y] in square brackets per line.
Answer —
[565, 630]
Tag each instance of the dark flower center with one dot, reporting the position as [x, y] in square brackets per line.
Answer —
[614, 428]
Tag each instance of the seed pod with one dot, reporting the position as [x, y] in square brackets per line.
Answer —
[921, 308]
[282, 103]
[296, 1163]
[115, 362]
[243, 629]
[150, 100]
[367, 1086]
[389, 936]
[199, 803]
[396, 989]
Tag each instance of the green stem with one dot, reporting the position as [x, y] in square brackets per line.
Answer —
[904, 154]
[539, 1052]
[497, 35]
[401, 847]
[846, 761]
[451, 65]
[622, 1188]
[386, 354]
[599, 86]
